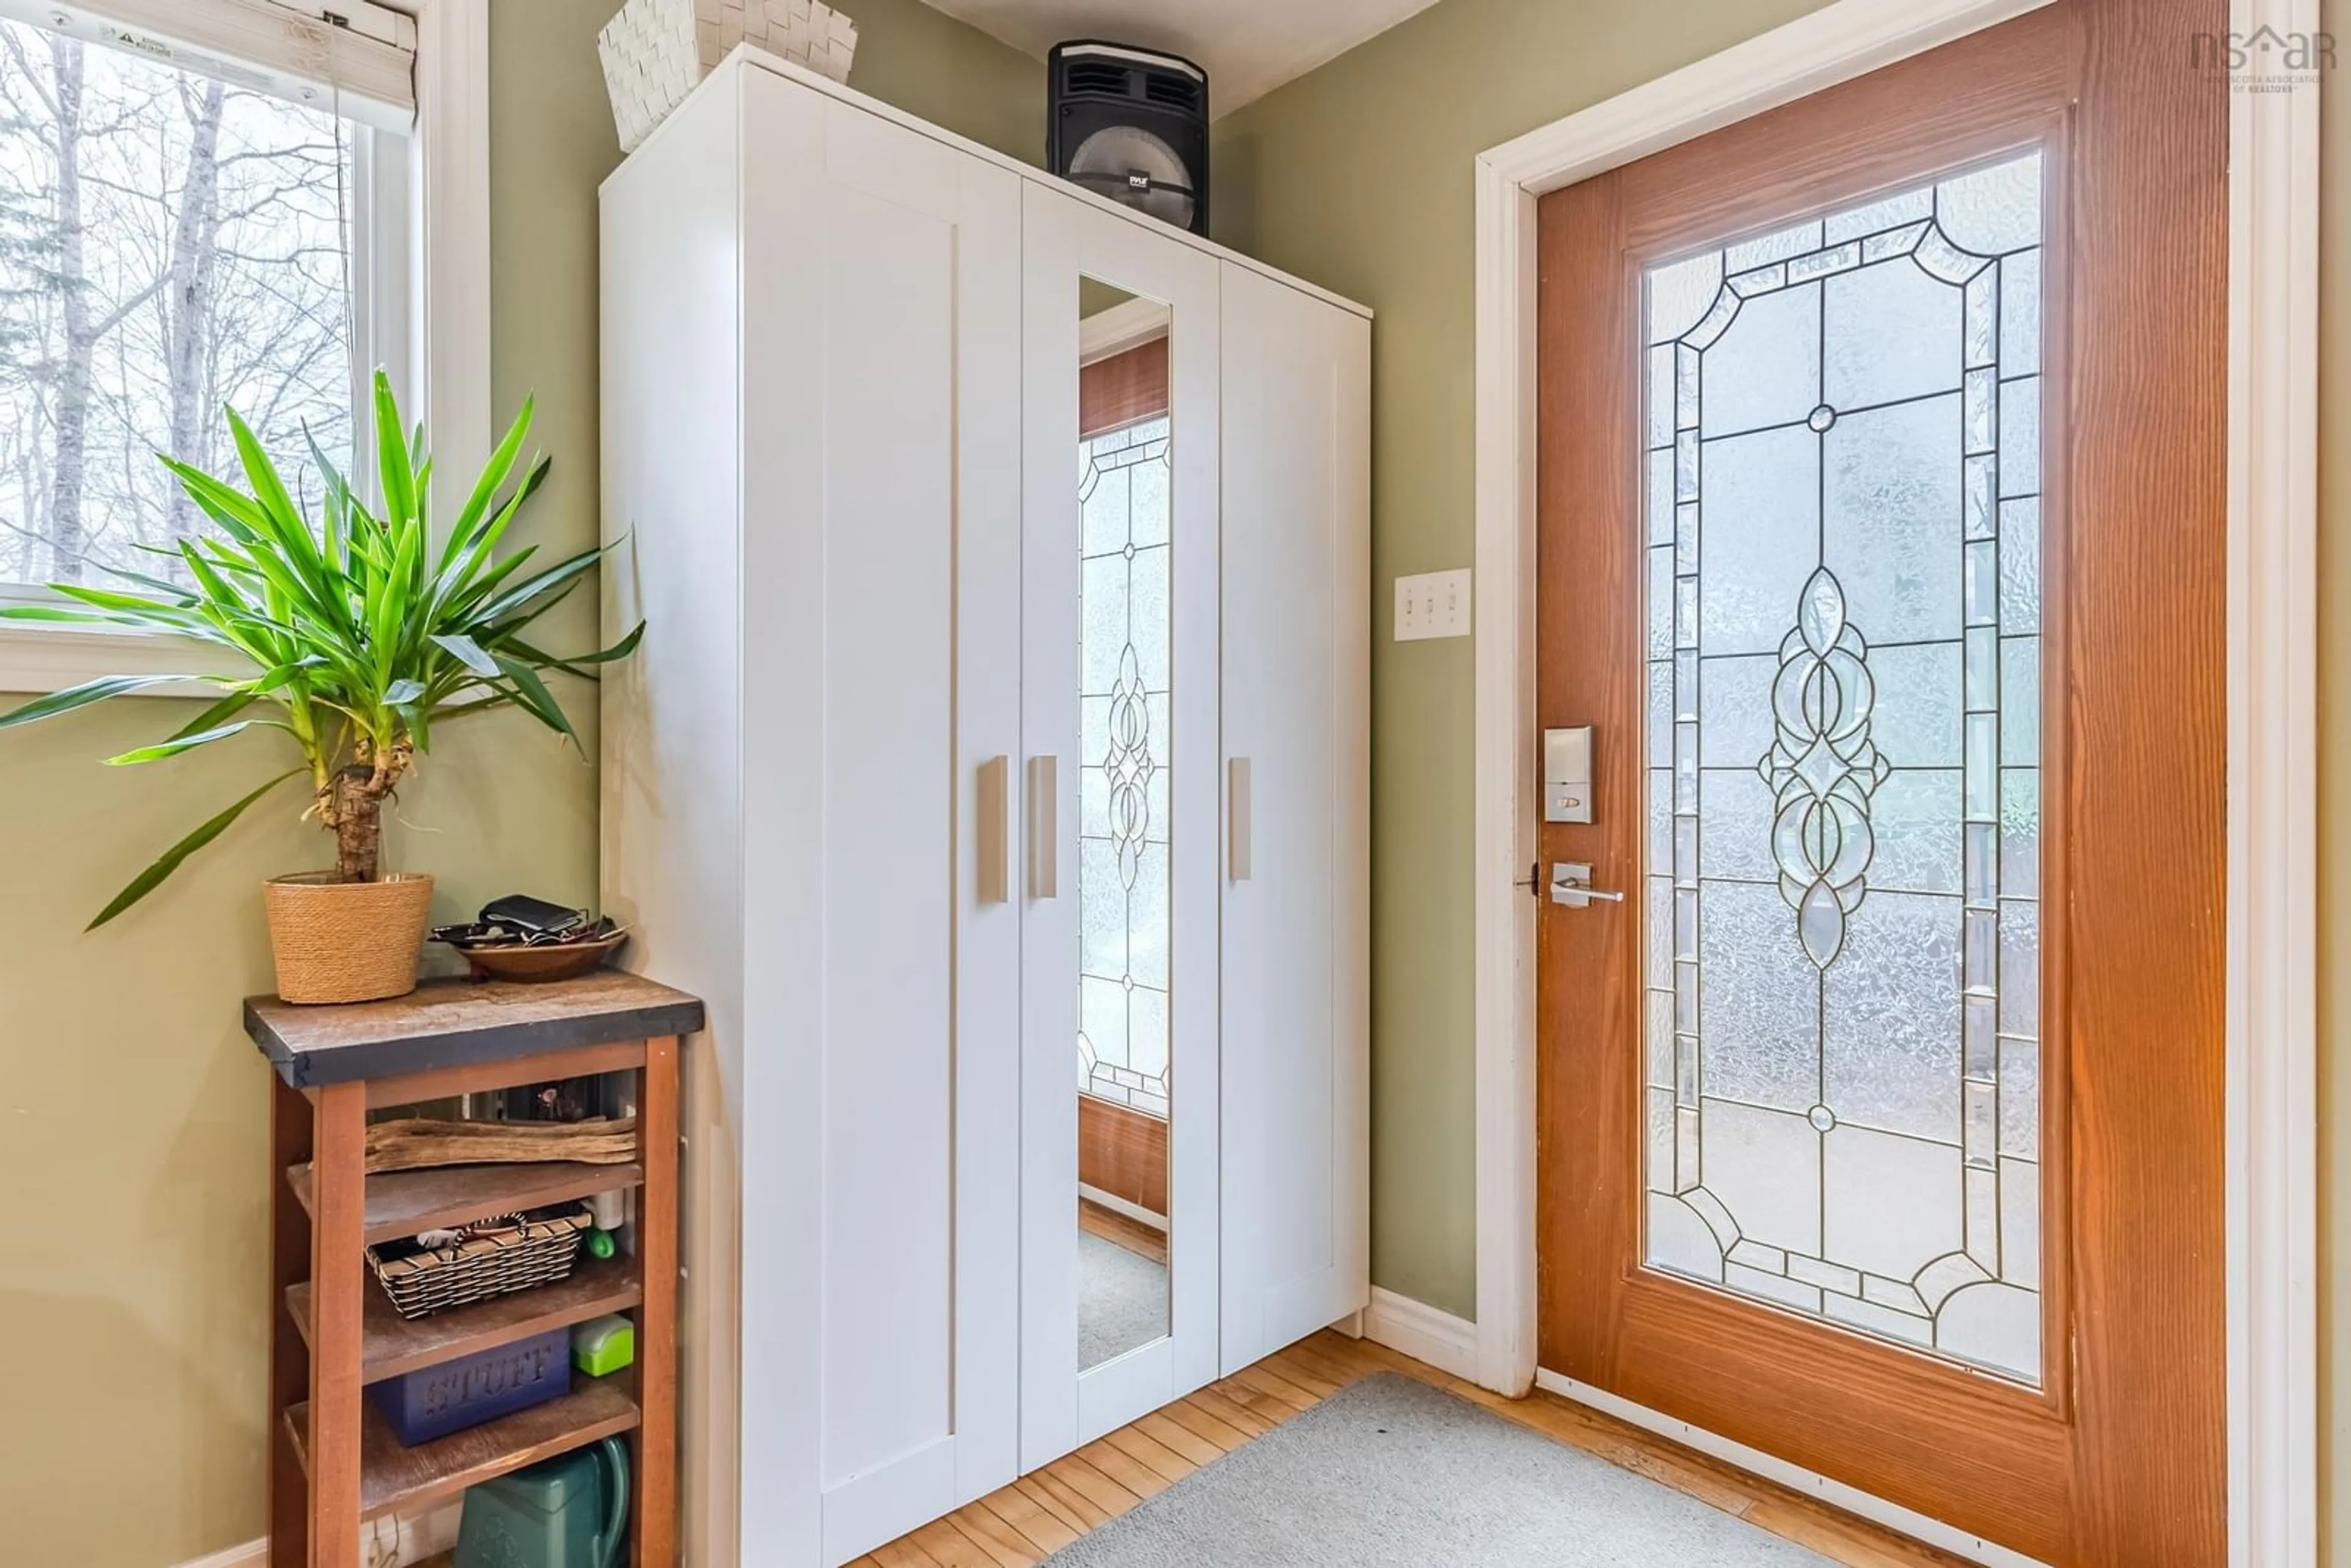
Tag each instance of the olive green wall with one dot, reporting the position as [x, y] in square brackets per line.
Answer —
[133, 1143]
[933, 66]
[1357, 176]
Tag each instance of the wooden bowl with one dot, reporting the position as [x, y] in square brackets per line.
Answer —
[548, 961]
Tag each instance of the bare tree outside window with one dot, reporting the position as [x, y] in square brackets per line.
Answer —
[169, 245]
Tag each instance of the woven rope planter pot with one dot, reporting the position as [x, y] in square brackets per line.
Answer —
[347, 941]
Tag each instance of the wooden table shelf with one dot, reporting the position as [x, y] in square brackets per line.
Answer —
[402, 1203]
[393, 1479]
[391, 1344]
[338, 1461]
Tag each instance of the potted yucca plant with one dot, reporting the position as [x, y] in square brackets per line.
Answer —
[362, 633]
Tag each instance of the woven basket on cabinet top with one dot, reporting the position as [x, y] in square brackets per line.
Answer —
[654, 51]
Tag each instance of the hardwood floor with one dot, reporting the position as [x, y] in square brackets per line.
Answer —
[1039, 1514]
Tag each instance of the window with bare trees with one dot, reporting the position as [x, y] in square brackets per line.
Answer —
[170, 244]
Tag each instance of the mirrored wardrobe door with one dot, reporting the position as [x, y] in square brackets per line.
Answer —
[1120, 724]
[1125, 755]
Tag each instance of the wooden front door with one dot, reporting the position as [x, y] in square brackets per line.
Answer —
[1881, 546]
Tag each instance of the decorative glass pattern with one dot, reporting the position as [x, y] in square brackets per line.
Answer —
[1123, 876]
[1843, 957]
[1822, 767]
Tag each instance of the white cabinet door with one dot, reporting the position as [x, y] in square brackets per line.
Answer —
[1120, 934]
[1297, 617]
[881, 376]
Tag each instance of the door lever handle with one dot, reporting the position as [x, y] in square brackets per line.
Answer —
[1044, 827]
[995, 830]
[1571, 884]
[1237, 818]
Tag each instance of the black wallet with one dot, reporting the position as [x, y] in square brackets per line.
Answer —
[532, 917]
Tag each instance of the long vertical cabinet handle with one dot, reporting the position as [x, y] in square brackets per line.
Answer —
[995, 832]
[1237, 818]
[1044, 838]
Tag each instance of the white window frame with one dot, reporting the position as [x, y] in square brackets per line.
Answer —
[421, 305]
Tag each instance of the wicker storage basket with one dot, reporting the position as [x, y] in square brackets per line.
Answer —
[347, 941]
[514, 1256]
[654, 51]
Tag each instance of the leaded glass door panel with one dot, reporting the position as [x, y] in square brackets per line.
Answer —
[1879, 542]
[1843, 431]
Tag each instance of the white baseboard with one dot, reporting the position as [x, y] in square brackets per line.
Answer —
[1795, 1478]
[252, 1554]
[386, 1543]
[1422, 1333]
[1120, 1205]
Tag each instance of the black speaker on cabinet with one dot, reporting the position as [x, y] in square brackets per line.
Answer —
[1133, 125]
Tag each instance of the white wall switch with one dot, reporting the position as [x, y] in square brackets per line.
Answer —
[1433, 604]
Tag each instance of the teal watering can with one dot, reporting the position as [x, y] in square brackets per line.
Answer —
[552, 1515]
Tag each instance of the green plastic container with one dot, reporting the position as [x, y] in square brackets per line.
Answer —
[558, 1513]
[602, 1346]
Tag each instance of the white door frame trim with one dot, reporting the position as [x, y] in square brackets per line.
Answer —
[2270, 1115]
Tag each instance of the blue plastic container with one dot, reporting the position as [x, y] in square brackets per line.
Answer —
[436, 1401]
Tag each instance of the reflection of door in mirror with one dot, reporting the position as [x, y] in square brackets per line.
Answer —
[1124, 1069]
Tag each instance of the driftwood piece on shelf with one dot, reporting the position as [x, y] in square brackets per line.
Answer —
[412, 1143]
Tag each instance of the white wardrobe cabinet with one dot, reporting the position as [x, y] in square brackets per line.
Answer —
[854, 791]
[1296, 574]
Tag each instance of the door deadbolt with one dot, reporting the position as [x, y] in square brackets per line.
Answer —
[1567, 775]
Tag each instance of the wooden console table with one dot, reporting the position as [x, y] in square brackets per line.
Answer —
[334, 1460]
